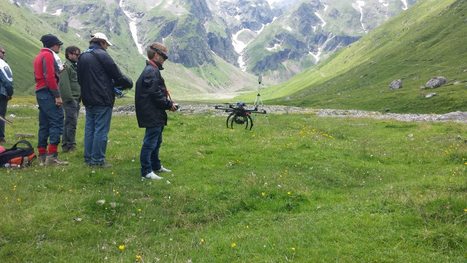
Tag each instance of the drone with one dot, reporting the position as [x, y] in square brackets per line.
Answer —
[239, 114]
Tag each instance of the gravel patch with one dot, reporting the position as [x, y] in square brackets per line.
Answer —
[457, 116]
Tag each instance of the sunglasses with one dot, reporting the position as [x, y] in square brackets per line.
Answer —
[162, 54]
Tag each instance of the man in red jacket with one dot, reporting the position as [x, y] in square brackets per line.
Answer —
[47, 67]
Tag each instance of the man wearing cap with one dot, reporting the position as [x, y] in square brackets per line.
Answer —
[98, 75]
[6, 91]
[151, 102]
[47, 67]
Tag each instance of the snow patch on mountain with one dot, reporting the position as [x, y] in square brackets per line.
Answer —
[274, 48]
[358, 5]
[323, 24]
[133, 28]
[406, 6]
[278, 3]
[383, 3]
[58, 12]
[318, 54]
[170, 5]
[240, 45]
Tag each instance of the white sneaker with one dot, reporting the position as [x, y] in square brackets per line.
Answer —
[152, 176]
[163, 170]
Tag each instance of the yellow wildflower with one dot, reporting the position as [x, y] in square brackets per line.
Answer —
[121, 247]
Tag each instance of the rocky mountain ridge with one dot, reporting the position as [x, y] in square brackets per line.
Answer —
[257, 35]
[275, 38]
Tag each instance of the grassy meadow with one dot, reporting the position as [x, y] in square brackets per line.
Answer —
[297, 188]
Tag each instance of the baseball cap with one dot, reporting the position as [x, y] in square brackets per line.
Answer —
[101, 36]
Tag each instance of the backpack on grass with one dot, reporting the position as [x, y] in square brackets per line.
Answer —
[18, 156]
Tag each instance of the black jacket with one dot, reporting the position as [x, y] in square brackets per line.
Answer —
[98, 75]
[151, 98]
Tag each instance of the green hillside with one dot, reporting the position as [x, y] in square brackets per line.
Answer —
[18, 35]
[20, 31]
[427, 40]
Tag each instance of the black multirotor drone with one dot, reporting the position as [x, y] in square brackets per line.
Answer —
[239, 114]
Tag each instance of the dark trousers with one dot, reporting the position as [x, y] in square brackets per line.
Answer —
[149, 156]
[71, 108]
[3, 105]
[50, 119]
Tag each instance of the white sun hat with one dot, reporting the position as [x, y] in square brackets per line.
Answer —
[101, 36]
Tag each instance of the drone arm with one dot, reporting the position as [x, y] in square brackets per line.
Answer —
[257, 111]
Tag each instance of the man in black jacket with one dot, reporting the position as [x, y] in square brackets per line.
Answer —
[98, 75]
[151, 102]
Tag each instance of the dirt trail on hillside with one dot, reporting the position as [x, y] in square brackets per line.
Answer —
[458, 116]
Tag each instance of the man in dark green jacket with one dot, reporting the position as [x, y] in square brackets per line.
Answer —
[71, 95]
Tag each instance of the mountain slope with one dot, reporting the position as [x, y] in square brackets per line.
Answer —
[73, 22]
[20, 31]
[311, 30]
[428, 40]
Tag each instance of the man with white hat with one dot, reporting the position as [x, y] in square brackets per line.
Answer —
[98, 75]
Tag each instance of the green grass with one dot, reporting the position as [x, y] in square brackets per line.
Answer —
[297, 188]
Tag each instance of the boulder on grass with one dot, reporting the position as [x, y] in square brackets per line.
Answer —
[436, 82]
[396, 84]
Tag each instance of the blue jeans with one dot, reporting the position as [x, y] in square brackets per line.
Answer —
[149, 156]
[50, 119]
[96, 134]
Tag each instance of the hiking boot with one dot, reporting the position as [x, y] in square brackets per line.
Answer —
[163, 170]
[152, 176]
[100, 165]
[42, 159]
[68, 149]
[53, 160]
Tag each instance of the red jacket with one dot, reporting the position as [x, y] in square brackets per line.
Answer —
[46, 72]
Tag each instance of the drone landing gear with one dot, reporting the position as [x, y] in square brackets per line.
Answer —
[233, 117]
